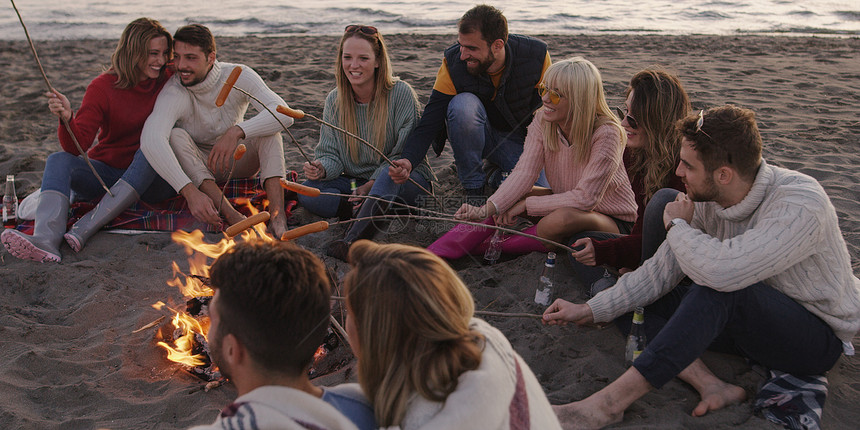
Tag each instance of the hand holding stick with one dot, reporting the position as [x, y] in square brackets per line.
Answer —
[299, 114]
[63, 119]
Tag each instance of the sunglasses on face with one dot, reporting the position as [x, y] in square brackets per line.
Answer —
[622, 115]
[554, 96]
[365, 29]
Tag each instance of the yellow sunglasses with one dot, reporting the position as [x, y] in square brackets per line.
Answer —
[554, 96]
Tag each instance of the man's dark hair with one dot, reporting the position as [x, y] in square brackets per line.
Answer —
[274, 297]
[197, 35]
[487, 20]
[728, 136]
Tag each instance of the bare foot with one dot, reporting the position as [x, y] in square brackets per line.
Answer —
[717, 396]
[583, 415]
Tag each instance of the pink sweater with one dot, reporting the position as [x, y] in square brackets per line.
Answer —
[601, 185]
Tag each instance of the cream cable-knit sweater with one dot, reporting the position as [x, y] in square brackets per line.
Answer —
[600, 185]
[484, 396]
[784, 233]
[193, 109]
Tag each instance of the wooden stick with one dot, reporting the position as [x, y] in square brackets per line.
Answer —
[508, 315]
[51, 89]
[237, 155]
[295, 142]
[315, 192]
[477, 224]
[487, 313]
[339, 329]
[150, 325]
[298, 114]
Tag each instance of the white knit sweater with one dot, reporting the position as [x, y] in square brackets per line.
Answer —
[193, 109]
[489, 396]
[784, 233]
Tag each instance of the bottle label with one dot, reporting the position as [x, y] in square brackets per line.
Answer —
[638, 318]
[636, 354]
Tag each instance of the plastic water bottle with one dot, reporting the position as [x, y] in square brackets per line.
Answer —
[636, 338]
[543, 293]
[494, 251]
[10, 203]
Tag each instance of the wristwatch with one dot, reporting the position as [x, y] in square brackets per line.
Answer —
[673, 222]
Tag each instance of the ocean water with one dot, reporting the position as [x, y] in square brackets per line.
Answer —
[105, 19]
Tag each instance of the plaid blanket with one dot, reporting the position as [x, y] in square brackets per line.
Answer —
[793, 401]
[173, 214]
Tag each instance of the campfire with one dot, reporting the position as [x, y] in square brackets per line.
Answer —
[184, 336]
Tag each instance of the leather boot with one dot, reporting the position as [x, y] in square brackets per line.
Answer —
[364, 229]
[107, 209]
[461, 240]
[52, 213]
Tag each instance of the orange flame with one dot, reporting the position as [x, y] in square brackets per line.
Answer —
[201, 255]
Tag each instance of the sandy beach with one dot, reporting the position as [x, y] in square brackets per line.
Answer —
[69, 359]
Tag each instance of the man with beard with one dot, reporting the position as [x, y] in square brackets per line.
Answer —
[486, 93]
[269, 315]
[190, 142]
[771, 275]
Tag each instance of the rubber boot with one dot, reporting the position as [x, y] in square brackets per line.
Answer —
[107, 209]
[461, 240]
[364, 229]
[52, 213]
[516, 244]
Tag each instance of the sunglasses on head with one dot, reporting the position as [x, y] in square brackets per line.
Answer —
[365, 29]
[622, 115]
[700, 122]
[554, 96]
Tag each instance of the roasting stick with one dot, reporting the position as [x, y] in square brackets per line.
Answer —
[230, 83]
[315, 192]
[299, 114]
[51, 89]
[485, 313]
[324, 225]
[237, 155]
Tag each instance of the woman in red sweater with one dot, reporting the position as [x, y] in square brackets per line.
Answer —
[578, 142]
[115, 105]
[656, 100]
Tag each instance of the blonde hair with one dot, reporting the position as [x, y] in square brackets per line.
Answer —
[578, 80]
[659, 101]
[133, 46]
[378, 109]
[411, 313]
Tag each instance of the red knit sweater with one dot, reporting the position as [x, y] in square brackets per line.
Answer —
[626, 251]
[116, 115]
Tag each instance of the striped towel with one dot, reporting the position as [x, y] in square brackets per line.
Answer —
[794, 401]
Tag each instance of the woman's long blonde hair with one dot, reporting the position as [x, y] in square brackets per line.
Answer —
[411, 313]
[378, 109]
[133, 46]
[578, 80]
[659, 101]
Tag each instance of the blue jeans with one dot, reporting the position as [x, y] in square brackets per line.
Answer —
[473, 138]
[653, 235]
[757, 322]
[65, 173]
[326, 206]
[385, 188]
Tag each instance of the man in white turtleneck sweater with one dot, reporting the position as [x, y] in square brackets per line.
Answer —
[190, 142]
[772, 277]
